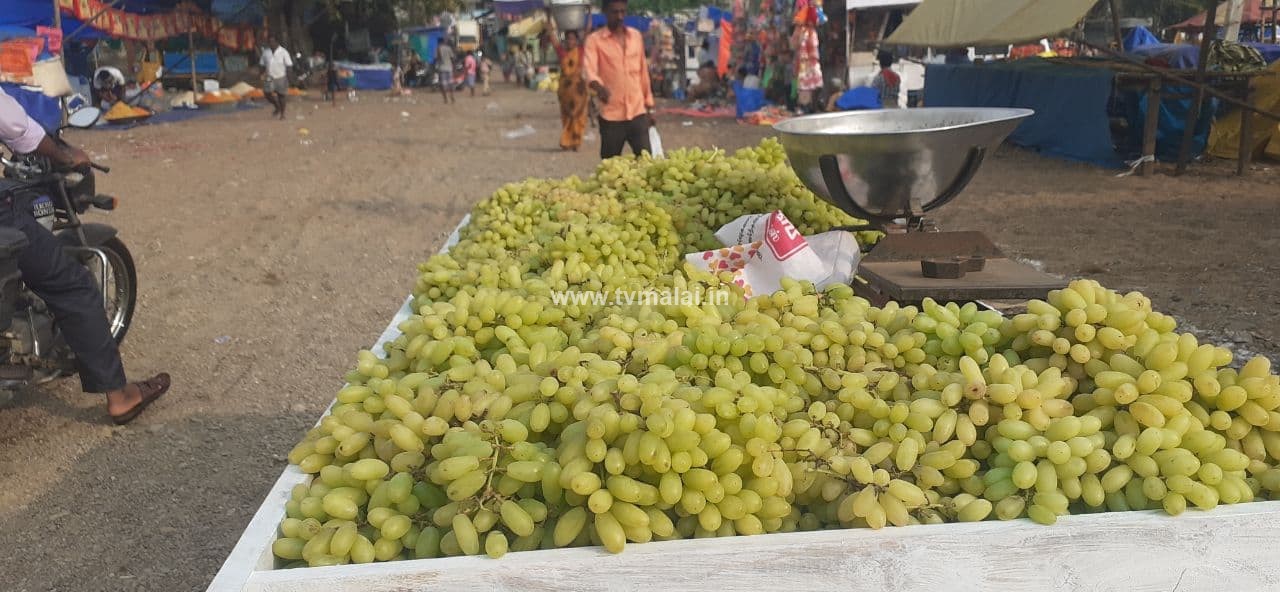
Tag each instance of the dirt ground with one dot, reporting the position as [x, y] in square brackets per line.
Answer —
[269, 252]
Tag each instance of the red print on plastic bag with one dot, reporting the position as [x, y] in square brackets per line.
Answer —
[783, 238]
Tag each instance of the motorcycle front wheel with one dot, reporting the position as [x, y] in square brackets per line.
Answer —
[119, 286]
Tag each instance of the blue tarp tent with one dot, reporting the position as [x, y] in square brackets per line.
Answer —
[424, 41]
[45, 110]
[369, 76]
[180, 64]
[1071, 118]
[638, 23]
[1139, 37]
[1173, 112]
[1187, 57]
[32, 13]
[513, 9]
[17, 16]
[238, 12]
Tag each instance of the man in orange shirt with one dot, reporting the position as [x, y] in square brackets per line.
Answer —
[615, 67]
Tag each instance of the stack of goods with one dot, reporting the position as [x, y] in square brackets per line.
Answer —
[217, 97]
[510, 416]
[183, 100]
[122, 111]
[245, 90]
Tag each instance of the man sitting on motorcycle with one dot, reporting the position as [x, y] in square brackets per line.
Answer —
[66, 286]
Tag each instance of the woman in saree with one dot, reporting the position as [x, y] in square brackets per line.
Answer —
[573, 94]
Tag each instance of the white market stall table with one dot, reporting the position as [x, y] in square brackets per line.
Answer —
[1231, 548]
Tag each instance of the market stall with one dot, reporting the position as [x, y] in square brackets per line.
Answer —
[595, 446]
[1077, 98]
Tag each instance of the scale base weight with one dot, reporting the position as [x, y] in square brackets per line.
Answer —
[890, 167]
[892, 271]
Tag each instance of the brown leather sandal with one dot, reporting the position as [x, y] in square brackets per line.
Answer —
[151, 389]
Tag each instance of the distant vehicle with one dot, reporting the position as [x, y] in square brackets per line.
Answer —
[467, 36]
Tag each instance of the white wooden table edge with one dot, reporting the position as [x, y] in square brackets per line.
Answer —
[252, 552]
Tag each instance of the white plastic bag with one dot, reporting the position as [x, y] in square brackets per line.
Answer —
[655, 143]
[761, 249]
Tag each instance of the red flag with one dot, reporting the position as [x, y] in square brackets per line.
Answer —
[726, 47]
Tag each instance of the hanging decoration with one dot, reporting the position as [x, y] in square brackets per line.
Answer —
[187, 17]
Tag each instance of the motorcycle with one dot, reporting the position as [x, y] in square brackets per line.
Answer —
[32, 350]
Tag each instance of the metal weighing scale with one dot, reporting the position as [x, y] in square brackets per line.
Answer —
[890, 167]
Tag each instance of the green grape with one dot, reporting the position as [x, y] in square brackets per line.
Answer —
[507, 414]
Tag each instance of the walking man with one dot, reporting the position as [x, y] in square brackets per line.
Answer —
[444, 65]
[617, 71]
[276, 62]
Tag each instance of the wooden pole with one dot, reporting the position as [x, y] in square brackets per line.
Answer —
[191, 55]
[1246, 139]
[1235, 14]
[1174, 78]
[57, 26]
[1209, 33]
[1115, 23]
[1149, 128]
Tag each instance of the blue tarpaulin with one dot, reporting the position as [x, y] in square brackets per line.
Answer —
[749, 99]
[859, 98]
[424, 41]
[1173, 117]
[638, 23]
[45, 110]
[369, 76]
[1139, 37]
[30, 13]
[17, 16]
[1187, 57]
[237, 12]
[178, 63]
[516, 8]
[176, 116]
[1070, 103]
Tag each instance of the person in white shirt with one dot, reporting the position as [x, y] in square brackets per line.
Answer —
[108, 86]
[65, 285]
[276, 63]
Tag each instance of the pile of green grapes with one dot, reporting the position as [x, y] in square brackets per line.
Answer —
[500, 420]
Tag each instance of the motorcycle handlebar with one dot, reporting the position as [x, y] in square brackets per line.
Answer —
[103, 168]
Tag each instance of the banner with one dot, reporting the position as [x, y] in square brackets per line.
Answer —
[52, 38]
[187, 17]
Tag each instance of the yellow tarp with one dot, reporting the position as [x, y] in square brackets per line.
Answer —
[962, 23]
[1224, 138]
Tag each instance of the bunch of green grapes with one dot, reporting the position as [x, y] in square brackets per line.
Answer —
[1174, 439]
[503, 419]
[706, 189]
